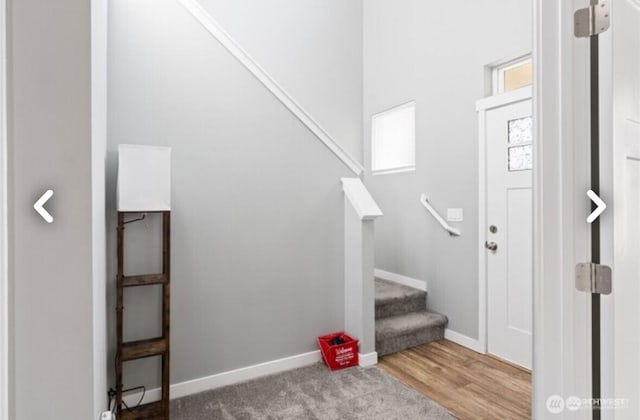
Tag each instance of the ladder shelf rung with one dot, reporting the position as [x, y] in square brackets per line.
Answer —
[144, 280]
[133, 350]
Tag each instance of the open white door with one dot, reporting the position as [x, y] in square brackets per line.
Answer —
[625, 35]
[615, 332]
[563, 171]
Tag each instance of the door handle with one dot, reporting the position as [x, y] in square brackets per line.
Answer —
[491, 246]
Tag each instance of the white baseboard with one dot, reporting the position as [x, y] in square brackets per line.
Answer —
[369, 359]
[400, 279]
[463, 340]
[231, 377]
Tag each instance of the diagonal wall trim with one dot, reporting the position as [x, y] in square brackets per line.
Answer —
[210, 24]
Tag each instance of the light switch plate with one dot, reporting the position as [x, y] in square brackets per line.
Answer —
[454, 215]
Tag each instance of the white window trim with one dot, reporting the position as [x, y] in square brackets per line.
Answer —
[408, 168]
[500, 68]
[399, 169]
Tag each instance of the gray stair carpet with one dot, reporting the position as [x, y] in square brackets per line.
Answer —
[402, 319]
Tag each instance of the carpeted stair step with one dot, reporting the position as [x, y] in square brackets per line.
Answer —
[395, 299]
[401, 332]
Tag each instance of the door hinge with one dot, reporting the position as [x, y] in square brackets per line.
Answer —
[592, 20]
[593, 278]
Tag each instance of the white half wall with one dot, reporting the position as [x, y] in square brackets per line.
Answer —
[360, 213]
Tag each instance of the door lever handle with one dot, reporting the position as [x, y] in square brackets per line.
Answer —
[491, 246]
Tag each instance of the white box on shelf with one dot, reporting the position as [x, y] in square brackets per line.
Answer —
[144, 178]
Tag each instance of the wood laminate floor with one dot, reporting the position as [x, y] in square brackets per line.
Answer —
[468, 384]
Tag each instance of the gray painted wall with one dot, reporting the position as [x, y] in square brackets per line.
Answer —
[257, 224]
[435, 54]
[49, 142]
[313, 49]
[99, 22]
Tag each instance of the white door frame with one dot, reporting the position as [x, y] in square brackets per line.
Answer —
[561, 323]
[483, 106]
[4, 278]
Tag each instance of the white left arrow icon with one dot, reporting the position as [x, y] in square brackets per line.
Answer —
[601, 206]
[38, 206]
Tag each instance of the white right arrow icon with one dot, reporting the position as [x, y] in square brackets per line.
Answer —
[38, 206]
[598, 211]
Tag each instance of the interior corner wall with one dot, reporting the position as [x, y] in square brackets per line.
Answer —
[257, 203]
[313, 49]
[436, 55]
[49, 146]
[99, 21]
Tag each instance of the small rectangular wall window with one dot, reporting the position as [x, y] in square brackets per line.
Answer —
[393, 140]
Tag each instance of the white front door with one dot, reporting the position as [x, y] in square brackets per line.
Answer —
[509, 231]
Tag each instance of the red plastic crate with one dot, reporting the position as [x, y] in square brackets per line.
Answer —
[339, 356]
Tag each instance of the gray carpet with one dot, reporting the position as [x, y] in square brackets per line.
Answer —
[312, 393]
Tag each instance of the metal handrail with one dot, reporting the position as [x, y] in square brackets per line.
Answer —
[425, 202]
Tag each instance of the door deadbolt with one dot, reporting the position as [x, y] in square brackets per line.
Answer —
[491, 246]
[493, 229]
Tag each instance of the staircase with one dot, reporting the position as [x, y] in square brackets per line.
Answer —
[402, 319]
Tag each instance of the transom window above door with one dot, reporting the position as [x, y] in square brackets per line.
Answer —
[512, 75]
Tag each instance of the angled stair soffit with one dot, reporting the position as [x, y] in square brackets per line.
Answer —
[217, 31]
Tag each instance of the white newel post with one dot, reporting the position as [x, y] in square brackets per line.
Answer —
[360, 212]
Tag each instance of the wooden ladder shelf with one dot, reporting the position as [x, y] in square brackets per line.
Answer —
[159, 346]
